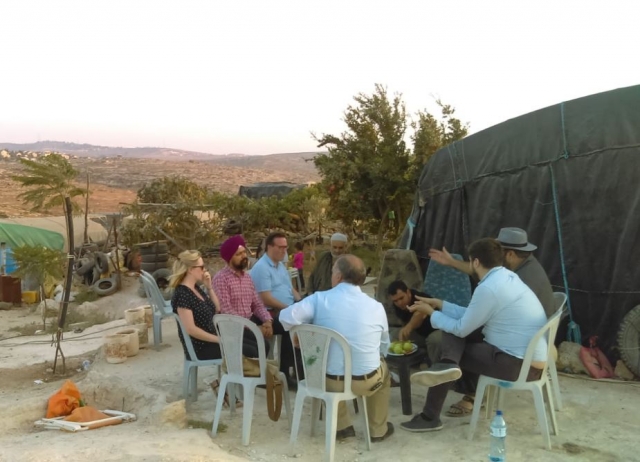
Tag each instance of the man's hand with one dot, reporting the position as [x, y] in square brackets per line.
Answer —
[436, 303]
[404, 333]
[442, 256]
[425, 305]
[296, 296]
[267, 329]
[295, 341]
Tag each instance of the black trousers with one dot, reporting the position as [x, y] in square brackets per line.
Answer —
[249, 348]
[286, 355]
[474, 358]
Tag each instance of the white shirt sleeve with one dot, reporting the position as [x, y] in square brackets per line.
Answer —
[476, 315]
[384, 342]
[452, 310]
[299, 313]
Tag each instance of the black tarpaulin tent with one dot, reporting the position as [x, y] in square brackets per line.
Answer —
[268, 189]
[569, 174]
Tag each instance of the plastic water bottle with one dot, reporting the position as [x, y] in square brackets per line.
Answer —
[498, 428]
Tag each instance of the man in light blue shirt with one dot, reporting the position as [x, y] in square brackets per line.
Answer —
[273, 284]
[363, 322]
[509, 313]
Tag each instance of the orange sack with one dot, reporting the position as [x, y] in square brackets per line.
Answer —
[86, 414]
[64, 401]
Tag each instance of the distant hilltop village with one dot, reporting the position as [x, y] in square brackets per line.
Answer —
[32, 155]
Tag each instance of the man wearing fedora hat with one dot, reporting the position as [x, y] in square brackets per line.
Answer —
[518, 257]
[509, 314]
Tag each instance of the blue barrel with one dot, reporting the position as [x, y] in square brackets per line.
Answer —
[10, 263]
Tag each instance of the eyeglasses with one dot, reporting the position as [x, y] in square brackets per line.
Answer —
[198, 266]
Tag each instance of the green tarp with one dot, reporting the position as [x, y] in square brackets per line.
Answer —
[19, 235]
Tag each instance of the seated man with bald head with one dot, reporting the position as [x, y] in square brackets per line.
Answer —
[363, 322]
[320, 278]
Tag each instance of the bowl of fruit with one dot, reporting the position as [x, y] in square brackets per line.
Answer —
[399, 348]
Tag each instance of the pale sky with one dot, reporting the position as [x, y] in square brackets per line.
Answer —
[257, 77]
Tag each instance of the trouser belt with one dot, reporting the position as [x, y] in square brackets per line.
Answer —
[353, 377]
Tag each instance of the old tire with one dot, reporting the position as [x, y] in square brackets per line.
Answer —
[84, 265]
[88, 248]
[151, 267]
[105, 286]
[161, 277]
[102, 262]
[629, 340]
[158, 248]
[155, 258]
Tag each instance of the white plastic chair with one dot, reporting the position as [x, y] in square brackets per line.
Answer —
[314, 345]
[548, 331]
[190, 368]
[161, 307]
[231, 331]
[275, 345]
[560, 299]
[294, 274]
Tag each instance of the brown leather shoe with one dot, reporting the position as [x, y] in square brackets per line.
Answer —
[348, 432]
[390, 430]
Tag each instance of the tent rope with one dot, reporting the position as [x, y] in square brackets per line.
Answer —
[565, 151]
[573, 329]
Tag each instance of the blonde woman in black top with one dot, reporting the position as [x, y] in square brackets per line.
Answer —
[195, 306]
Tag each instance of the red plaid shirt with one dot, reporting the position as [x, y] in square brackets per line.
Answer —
[238, 295]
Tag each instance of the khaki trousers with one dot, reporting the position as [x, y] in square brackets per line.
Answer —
[376, 389]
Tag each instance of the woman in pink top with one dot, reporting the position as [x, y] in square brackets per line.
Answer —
[298, 262]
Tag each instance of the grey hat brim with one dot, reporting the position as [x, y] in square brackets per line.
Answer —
[527, 248]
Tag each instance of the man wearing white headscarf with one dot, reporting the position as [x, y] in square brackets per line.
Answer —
[320, 278]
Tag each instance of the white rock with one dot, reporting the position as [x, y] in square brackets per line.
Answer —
[569, 358]
[174, 414]
[623, 371]
[87, 308]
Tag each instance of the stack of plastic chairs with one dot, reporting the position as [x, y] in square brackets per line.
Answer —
[161, 307]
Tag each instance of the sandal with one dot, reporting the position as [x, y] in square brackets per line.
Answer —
[215, 386]
[459, 409]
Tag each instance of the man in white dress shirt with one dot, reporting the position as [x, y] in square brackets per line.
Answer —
[363, 322]
[510, 315]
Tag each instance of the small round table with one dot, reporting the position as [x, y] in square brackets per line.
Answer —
[403, 365]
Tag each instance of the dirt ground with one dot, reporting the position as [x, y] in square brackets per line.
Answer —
[599, 421]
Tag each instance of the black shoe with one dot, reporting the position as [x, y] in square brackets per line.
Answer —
[437, 374]
[390, 430]
[348, 432]
[420, 423]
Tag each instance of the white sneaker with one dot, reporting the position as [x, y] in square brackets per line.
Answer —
[437, 374]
